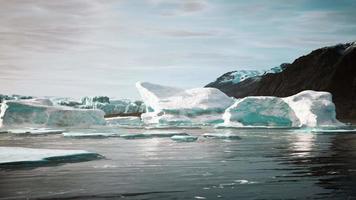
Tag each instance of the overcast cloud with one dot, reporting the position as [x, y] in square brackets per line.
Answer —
[80, 47]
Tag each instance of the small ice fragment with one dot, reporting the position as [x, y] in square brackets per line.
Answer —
[184, 138]
[333, 130]
[134, 136]
[243, 181]
[229, 136]
[83, 134]
[163, 133]
[37, 131]
[199, 197]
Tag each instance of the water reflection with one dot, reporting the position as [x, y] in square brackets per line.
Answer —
[330, 159]
[302, 144]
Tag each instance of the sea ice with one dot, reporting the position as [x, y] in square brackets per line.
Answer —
[134, 136]
[90, 134]
[35, 131]
[184, 138]
[230, 136]
[164, 133]
[175, 106]
[16, 155]
[124, 121]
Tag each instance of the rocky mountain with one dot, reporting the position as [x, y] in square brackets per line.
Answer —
[331, 69]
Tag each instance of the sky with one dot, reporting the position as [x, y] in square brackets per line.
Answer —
[81, 48]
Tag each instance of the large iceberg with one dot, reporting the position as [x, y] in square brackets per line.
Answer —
[176, 106]
[305, 109]
[41, 112]
[208, 106]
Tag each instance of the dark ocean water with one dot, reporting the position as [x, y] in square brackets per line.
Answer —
[263, 164]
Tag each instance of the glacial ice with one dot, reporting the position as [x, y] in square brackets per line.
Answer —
[260, 111]
[313, 108]
[238, 76]
[305, 109]
[41, 112]
[170, 106]
[12, 155]
[175, 106]
[184, 138]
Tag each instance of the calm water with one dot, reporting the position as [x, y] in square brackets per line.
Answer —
[263, 164]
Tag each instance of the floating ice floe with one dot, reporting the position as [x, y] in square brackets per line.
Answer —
[41, 112]
[229, 136]
[184, 138]
[20, 155]
[164, 133]
[134, 136]
[326, 130]
[124, 121]
[175, 106]
[35, 131]
[90, 134]
[151, 134]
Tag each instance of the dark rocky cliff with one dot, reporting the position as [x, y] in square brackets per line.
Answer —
[331, 69]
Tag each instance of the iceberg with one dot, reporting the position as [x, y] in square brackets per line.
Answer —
[305, 109]
[184, 138]
[175, 106]
[260, 111]
[314, 109]
[20, 155]
[42, 112]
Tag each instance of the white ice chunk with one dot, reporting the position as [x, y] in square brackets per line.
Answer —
[156, 133]
[313, 109]
[35, 131]
[119, 121]
[184, 138]
[172, 106]
[230, 136]
[10, 155]
[90, 134]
